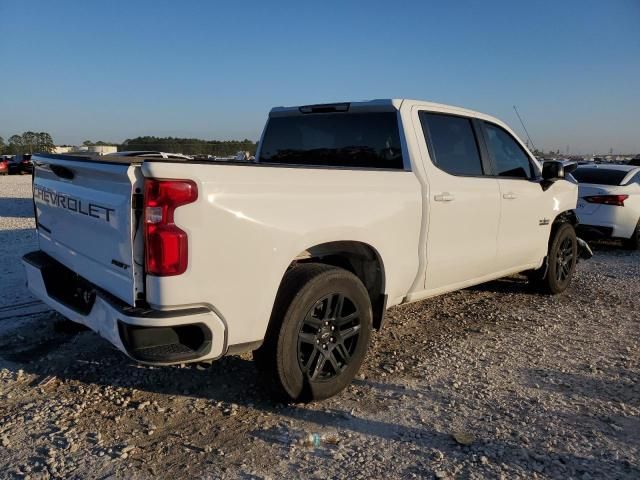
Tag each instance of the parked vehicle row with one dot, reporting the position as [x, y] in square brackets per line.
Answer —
[16, 164]
[348, 209]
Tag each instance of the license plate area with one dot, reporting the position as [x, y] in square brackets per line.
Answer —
[68, 287]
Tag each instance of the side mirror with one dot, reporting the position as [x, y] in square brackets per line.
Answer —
[570, 167]
[552, 170]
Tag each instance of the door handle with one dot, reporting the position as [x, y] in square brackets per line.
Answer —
[444, 197]
[509, 196]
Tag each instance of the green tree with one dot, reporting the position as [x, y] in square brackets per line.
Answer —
[44, 143]
[2, 146]
[189, 146]
[29, 142]
[15, 144]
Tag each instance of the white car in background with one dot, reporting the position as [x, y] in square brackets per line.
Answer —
[609, 202]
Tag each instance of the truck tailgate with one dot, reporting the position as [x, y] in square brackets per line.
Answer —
[85, 220]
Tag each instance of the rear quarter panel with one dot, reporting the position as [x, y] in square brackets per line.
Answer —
[250, 222]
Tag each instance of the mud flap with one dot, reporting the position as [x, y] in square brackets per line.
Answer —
[584, 250]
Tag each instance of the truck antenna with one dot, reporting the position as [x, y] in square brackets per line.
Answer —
[525, 128]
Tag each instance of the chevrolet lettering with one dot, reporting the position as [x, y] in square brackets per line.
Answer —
[62, 200]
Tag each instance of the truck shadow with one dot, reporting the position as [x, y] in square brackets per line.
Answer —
[615, 247]
[607, 386]
[59, 358]
[16, 207]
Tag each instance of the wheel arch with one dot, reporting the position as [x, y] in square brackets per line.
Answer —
[568, 216]
[359, 258]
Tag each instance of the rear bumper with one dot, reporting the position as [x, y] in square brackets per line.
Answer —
[593, 232]
[156, 337]
[609, 221]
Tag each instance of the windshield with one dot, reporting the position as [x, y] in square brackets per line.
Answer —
[369, 140]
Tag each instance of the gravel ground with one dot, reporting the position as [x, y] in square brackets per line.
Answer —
[490, 382]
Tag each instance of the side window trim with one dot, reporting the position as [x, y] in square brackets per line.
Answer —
[426, 133]
[487, 161]
[486, 166]
[535, 175]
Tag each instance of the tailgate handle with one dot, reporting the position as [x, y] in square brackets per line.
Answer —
[62, 172]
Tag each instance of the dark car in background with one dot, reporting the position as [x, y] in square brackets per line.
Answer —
[26, 165]
[13, 165]
[18, 164]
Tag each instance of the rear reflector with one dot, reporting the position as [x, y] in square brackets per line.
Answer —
[617, 200]
[166, 245]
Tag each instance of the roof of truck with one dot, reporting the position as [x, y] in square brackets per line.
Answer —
[379, 104]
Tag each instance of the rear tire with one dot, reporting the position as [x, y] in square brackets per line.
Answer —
[633, 243]
[555, 277]
[318, 334]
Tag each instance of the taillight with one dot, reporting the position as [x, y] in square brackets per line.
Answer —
[166, 245]
[617, 200]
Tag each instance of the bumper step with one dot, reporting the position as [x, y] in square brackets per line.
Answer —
[178, 343]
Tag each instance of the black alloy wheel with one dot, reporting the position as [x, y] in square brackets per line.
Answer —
[318, 333]
[328, 336]
[555, 275]
[565, 260]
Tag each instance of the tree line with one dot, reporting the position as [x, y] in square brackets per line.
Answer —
[28, 142]
[189, 146]
[32, 142]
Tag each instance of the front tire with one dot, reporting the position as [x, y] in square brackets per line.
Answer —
[318, 334]
[633, 243]
[561, 261]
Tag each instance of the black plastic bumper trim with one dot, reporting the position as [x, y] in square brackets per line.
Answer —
[594, 231]
[42, 261]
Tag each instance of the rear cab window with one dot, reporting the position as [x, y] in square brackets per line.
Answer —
[599, 176]
[350, 140]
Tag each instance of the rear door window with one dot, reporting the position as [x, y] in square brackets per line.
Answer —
[361, 140]
[509, 158]
[452, 143]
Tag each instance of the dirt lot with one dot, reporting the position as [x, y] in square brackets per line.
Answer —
[490, 382]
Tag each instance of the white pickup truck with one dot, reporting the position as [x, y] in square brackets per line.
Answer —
[348, 209]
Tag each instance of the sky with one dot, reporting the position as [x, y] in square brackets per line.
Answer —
[211, 69]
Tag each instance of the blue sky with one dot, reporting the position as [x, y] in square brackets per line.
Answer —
[119, 69]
